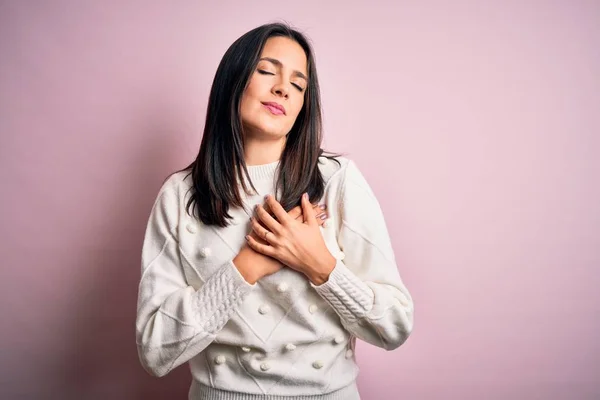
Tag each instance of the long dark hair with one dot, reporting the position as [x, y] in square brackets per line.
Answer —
[220, 163]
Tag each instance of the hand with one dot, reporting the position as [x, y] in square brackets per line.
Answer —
[297, 214]
[296, 244]
[268, 265]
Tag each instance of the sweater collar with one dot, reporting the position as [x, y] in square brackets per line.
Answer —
[262, 171]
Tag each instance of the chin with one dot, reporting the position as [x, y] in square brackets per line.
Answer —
[274, 135]
[267, 132]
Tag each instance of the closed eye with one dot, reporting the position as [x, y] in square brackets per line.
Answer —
[263, 72]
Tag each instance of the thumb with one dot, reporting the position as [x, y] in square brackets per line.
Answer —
[308, 211]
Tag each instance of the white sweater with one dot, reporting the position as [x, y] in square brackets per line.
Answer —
[282, 336]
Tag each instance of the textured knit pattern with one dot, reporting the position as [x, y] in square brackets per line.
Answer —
[219, 299]
[282, 337]
[346, 293]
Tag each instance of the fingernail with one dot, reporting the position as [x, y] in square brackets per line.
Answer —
[305, 195]
[323, 206]
[267, 197]
[323, 216]
[247, 237]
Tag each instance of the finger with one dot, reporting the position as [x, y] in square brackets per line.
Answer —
[319, 209]
[280, 213]
[321, 219]
[261, 232]
[255, 237]
[270, 222]
[267, 208]
[261, 248]
[298, 212]
[307, 211]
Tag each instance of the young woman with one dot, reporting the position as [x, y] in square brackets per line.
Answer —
[244, 275]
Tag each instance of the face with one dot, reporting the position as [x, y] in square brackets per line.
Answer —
[275, 93]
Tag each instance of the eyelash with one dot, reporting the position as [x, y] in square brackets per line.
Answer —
[262, 72]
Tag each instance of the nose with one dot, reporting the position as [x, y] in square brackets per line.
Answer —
[280, 89]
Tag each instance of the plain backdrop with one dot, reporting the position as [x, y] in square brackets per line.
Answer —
[475, 122]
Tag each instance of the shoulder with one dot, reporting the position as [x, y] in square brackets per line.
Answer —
[341, 169]
[174, 187]
[346, 177]
[333, 168]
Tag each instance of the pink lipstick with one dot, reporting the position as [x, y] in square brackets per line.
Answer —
[274, 108]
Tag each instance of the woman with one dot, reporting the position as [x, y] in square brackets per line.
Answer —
[240, 275]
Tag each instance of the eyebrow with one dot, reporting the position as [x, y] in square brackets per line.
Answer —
[280, 64]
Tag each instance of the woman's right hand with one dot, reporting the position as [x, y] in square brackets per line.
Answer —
[253, 265]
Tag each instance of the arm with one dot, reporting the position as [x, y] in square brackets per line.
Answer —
[174, 321]
[365, 289]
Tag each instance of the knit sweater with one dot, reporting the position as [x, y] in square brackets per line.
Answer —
[282, 337]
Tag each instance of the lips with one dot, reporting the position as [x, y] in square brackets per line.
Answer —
[275, 108]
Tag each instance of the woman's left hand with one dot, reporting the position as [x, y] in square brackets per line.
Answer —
[296, 244]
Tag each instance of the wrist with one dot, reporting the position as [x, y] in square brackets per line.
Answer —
[243, 262]
[320, 274]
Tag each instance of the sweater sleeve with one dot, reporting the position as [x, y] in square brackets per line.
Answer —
[365, 288]
[175, 321]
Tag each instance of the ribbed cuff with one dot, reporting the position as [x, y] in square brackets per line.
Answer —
[346, 293]
[199, 391]
[220, 296]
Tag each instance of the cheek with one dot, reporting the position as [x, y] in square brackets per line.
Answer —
[244, 112]
[298, 108]
[250, 92]
[248, 103]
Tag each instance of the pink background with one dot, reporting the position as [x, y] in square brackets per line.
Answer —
[477, 125]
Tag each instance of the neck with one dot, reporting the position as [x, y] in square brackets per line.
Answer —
[259, 151]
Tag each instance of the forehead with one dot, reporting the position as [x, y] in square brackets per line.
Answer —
[286, 50]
